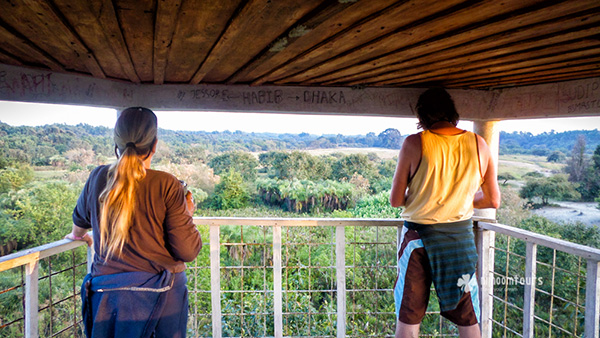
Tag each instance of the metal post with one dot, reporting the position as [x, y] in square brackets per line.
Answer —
[340, 260]
[277, 282]
[592, 299]
[529, 300]
[215, 279]
[31, 299]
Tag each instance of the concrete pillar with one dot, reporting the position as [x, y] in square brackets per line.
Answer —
[490, 132]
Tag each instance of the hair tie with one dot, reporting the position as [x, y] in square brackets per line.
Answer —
[130, 144]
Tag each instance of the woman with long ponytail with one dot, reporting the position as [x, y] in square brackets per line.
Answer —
[143, 234]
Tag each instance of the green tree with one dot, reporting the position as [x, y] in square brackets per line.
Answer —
[15, 178]
[231, 192]
[389, 138]
[556, 156]
[242, 162]
[347, 166]
[555, 187]
[40, 213]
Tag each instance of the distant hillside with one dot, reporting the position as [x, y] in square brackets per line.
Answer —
[545, 143]
[47, 145]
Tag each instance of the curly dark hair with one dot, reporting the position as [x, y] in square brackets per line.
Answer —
[435, 105]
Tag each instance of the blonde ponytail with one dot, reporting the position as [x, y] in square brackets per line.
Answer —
[135, 126]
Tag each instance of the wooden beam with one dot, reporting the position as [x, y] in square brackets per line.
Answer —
[167, 13]
[438, 24]
[234, 50]
[55, 23]
[306, 34]
[560, 17]
[136, 20]
[368, 32]
[200, 23]
[81, 18]
[563, 70]
[18, 45]
[107, 17]
[31, 85]
[493, 48]
[9, 59]
[546, 56]
[564, 99]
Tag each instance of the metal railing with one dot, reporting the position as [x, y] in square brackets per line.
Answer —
[243, 251]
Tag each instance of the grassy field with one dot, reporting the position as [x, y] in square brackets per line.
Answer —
[519, 165]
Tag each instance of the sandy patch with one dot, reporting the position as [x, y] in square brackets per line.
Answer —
[570, 212]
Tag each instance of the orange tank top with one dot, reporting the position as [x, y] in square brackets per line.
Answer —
[444, 185]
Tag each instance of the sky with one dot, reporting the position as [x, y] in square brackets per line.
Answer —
[34, 114]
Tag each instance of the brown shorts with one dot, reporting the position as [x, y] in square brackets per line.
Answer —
[413, 284]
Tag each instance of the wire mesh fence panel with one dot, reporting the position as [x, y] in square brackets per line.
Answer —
[370, 276]
[246, 281]
[308, 275]
[198, 276]
[559, 285]
[12, 294]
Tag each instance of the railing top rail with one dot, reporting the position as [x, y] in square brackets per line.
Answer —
[39, 252]
[547, 241]
[301, 222]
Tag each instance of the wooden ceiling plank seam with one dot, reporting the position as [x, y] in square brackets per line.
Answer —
[563, 53]
[81, 18]
[200, 23]
[532, 44]
[344, 45]
[107, 18]
[67, 34]
[337, 25]
[22, 19]
[308, 23]
[26, 47]
[8, 58]
[489, 71]
[208, 63]
[555, 68]
[453, 23]
[526, 73]
[167, 13]
[439, 49]
[136, 20]
[507, 65]
[272, 18]
[534, 80]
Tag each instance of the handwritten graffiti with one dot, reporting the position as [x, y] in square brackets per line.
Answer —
[581, 92]
[26, 84]
[263, 97]
[204, 93]
[593, 105]
[324, 97]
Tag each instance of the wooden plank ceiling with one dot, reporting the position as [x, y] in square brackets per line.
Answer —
[413, 43]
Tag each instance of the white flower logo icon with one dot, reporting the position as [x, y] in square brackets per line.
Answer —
[463, 283]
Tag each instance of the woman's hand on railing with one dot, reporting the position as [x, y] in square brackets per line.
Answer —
[80, 234]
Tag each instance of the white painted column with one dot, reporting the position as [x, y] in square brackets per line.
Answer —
[485, 240]
[340, 259]
[530, 282]
[277, 282]
[31, 299]
[215, 279]
[490, 132]
[592, 300]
